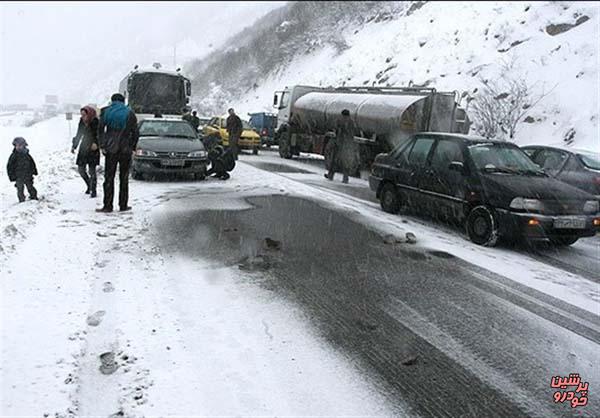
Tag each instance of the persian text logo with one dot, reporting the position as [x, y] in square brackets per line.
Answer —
[576, 392]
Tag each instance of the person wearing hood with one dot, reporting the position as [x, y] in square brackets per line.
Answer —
[88, 156]
[21, 169]
[118, 137]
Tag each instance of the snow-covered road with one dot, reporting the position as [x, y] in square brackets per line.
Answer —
[107, 313]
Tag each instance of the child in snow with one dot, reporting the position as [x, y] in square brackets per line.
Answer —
[21, 169]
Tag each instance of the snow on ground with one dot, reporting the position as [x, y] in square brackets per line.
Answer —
[188, 337]
[450, 45]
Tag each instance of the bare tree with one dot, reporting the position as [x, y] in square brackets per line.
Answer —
[501, 104]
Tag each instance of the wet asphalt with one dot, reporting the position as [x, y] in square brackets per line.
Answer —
[446, 337]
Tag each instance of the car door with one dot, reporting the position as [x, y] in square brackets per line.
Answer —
[409, 166]
[442, 187]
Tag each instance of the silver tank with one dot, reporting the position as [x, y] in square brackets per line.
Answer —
[394, 116]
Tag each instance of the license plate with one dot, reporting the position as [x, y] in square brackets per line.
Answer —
[569, 223]
[173, 163]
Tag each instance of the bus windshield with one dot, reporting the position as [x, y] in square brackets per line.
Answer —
[155, 92]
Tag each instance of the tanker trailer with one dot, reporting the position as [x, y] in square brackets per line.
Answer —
[385, 117]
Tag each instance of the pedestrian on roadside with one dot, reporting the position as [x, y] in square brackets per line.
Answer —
[234, 130]
[21, 169]
[118, 137]
[88, 156]
[221, 161]
[195, 120]
[344, 150]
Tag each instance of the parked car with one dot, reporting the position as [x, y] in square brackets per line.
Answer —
[578, 168]
[265, 125]
[217, 128]
[490, 187]
[169, 146]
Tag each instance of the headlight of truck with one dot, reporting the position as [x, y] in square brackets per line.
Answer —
[591, 206]
[531, 205]
[197, 154]
[144, 153]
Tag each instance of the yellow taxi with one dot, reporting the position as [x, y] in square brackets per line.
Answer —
[217, 127]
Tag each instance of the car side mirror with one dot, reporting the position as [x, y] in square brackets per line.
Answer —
[457, 166]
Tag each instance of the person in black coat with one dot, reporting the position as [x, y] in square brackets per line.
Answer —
[234, 128]
[21, 169]
[118, 136]
[221, 162]
[88, 156]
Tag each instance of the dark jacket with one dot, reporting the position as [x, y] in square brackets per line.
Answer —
[20, 166]
[118, 130]
[221, 160]
[234, 125]
[346, 149]
[85, 137]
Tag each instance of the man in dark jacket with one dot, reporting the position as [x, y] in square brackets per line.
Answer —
[118, 137]
[344, 151]
[234, 130]
[195, 121]
[21, 169]
[221, 161]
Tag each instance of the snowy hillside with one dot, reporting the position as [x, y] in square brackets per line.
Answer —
[553, 48]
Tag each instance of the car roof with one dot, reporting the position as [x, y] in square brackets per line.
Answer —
[559, 148]
[165, 119]
[463, 137]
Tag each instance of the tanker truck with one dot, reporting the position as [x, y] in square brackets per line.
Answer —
[385, 116]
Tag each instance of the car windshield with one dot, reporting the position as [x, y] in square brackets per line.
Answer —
[246, 125]
[590, 160]
[502, 157]
[163, 128]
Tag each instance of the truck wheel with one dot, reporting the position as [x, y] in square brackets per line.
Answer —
[563, 241]
[390, 198]
[482, 226]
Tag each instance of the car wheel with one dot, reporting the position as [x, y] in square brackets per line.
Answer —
[482, 226]
[136, 175]
[563, 241]
[390, 198]
[255, 150]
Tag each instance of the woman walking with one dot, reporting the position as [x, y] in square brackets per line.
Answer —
[88, 156]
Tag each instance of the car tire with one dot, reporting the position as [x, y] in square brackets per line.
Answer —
[255, 151]
[390, 199]
[482, 226]
[563, 241]
[136, 175]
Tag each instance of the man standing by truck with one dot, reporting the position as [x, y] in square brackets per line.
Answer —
[234, 130]
[344, 151]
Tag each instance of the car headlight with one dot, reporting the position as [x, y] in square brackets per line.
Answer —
[144, 153]
[591, 206]
[197, 154]
[520, 203]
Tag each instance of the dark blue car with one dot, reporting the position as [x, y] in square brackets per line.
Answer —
[264, 124]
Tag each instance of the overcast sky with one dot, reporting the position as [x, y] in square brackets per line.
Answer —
[68, 48]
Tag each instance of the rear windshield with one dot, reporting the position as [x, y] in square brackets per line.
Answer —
[167, 128]
[590, 160]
